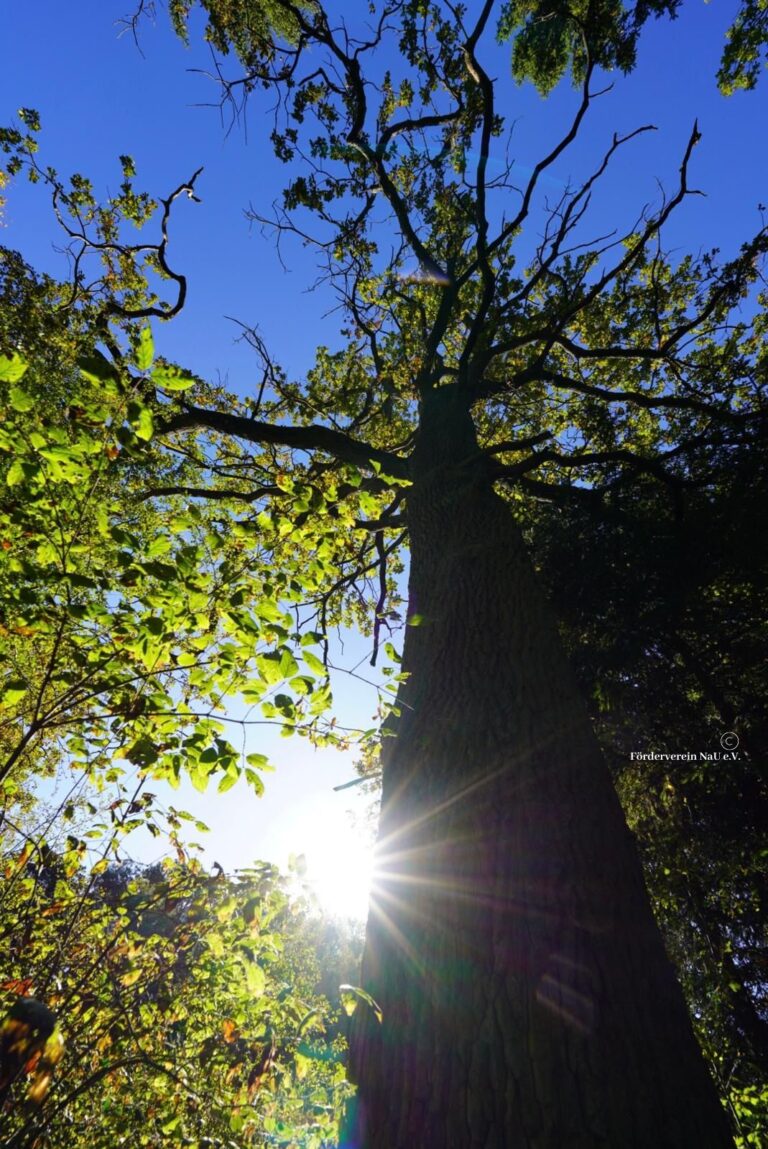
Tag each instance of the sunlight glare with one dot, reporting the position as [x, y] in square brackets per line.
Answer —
[339, 867]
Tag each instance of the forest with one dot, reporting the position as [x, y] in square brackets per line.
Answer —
[511, 436]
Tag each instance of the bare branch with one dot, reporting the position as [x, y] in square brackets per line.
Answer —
[211, 493]
[113, 308]
[358, 107]
[639, 399]
[382, 599]
[509, 445]
[485, 87]
[510, 228]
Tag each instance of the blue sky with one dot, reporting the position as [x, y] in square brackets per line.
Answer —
[100, 97]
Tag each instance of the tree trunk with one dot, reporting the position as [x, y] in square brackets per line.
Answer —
[527, 999]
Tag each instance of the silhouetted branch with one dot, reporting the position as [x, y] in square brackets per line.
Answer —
[310, 438]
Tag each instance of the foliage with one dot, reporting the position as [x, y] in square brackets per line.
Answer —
[103, 632]
[552, 37]
[125, 624]
[747, 40]
[250, 28]
[185, 1001]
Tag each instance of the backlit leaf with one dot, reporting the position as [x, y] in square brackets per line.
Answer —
[351, 994]
[12, 368]
[172, 378]
[145, 352]
[20, 400]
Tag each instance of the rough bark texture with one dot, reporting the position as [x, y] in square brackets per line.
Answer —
[528, 1002]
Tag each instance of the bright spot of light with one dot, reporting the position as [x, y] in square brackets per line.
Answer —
[338, 863]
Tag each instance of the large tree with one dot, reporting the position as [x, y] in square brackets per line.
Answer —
[522, 993]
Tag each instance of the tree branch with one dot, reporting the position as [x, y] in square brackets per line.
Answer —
[485, 87]
[509, 229]
[651, 402]
[314, 437]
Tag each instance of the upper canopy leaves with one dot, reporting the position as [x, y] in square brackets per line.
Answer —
[551, 37]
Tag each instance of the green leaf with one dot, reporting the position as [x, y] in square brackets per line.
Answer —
[172, 378]
[313, 1015]
[14, 691]
[19, 400]
[16, 473]
[12, 368]
[97, 368]
[228, 781]
[314, 663]
[351, 994]
[140, 418]
[260, 761]
[145, 352]
[198, 778]
[269, 667]
[268, 610]
[63, 463]
[391, 653]
[254, 781]
[288, 664]
[311, 638]
[255, 978]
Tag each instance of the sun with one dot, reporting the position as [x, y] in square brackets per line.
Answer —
[339, 867]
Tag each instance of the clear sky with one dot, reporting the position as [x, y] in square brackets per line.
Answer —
[99, 97]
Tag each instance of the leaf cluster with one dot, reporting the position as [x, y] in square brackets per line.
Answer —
[184, 1003]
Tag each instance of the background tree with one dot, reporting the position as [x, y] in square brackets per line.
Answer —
[186, 1005]
[666, 636]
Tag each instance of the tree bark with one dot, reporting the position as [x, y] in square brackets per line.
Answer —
[527, 999]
